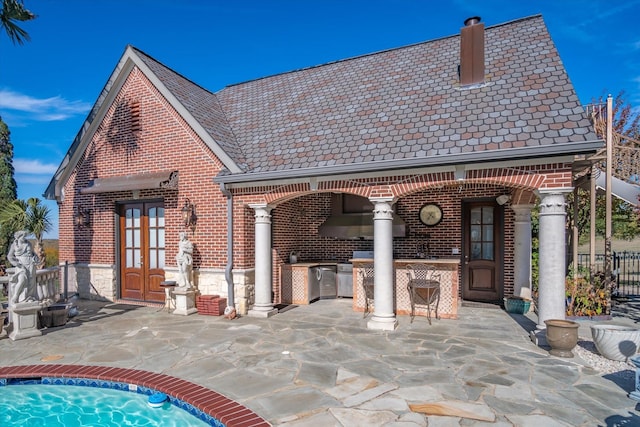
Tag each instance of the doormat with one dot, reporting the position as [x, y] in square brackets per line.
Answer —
[122, 303]
[284, 307]
[477, 304]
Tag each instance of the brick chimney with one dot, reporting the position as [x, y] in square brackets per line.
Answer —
[472, 52]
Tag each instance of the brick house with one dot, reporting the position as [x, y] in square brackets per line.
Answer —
[477, 126]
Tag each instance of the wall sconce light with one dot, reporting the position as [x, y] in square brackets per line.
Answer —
[81, 218]
[189, 218]
[503, 199]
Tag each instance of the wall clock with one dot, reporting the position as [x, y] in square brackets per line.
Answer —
[430, 214]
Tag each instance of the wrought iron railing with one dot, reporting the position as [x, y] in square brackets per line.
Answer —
[626, 269]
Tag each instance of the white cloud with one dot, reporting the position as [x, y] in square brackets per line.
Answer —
[42, 109]
[33, 167]
[39, 180]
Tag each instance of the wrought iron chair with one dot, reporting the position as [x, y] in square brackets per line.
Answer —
[424, 288]
[366, 273]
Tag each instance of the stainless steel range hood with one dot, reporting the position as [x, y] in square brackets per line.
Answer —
[356, 226]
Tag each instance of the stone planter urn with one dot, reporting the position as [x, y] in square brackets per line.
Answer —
[562, 336]
[616, 342]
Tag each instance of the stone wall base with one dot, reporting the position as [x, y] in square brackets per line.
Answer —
[99, 282]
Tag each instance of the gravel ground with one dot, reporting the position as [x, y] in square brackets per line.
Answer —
[587, 351]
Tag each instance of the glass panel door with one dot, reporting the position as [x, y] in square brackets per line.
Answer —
[142, 251]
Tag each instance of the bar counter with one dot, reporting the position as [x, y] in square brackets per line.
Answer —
[448, 268]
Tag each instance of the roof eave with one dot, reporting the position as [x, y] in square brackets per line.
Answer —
[538, 153]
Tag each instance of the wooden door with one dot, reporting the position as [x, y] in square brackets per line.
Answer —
[483, 249]
[142, 251]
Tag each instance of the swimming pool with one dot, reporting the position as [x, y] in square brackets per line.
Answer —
[204, 403]
[72, 405]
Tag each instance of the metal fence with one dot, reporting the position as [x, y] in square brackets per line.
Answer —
[626, 268]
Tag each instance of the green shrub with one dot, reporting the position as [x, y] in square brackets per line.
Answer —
[586, 296]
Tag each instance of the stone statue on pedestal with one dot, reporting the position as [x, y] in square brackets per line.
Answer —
[26, 297]
[184, 258]
[22, 284]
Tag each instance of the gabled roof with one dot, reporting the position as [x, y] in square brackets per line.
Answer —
[196, 105]
[397, 108]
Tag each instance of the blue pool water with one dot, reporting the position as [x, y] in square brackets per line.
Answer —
[68, 406]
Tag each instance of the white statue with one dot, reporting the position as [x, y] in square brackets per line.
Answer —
[184, 258]
[22, 285]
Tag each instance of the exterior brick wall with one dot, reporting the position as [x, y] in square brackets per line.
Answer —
[163, 142]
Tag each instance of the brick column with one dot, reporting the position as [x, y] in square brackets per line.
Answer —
[263, 305]
[383, 317]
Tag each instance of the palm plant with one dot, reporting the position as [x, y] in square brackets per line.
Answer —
[13, 11]
[31, 216]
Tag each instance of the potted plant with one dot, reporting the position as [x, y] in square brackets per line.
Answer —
[562, 336]
[517, 305]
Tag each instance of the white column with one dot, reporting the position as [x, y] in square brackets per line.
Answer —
[522, 251]
[552, 256]
[263, 305]
[383, 317]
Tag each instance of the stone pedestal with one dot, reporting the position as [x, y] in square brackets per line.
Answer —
[262, 312]
[24, 320]
[169, 286]
[635, 394]
[185, 301]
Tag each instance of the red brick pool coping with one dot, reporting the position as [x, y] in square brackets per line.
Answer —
[231, 413]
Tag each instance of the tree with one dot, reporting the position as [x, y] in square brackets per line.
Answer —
[13, 11]
[626, 152]
[31, 216]
[7, 186]
[625, 217]
[626, 120]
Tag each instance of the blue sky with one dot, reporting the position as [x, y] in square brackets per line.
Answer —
[48, 85]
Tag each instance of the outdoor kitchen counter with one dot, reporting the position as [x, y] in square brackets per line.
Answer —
[448, 268]
[294, 281]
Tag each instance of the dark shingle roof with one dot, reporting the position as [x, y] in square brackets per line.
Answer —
[201, 104]
[406, 103]
[398, 105]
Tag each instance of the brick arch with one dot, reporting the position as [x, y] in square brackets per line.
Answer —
[416, 183]
[276, 195]
[523, 197]
[524, 180]
[519, 180]
[514, 178]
